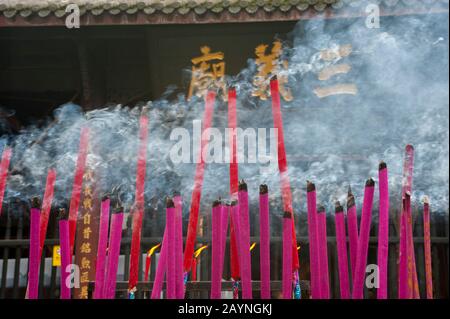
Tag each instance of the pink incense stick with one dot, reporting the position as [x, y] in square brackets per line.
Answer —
[264, 241]
[64, 248]
[224, 231]
[170, 224]
[115, 237]
[234, 214]
[46, 207]
[352, 224]
[138, 213]
[4, 165]
[383, 231]
[160, 269]
[324, 282]
[198, 183]
[101, 248]
[402, 265]
[216, 276]
[313, 241]
[179, 246]
[427, 247]
[287, 256]
[33, 270]
[244, 225]
[341, 241]
[363, 243]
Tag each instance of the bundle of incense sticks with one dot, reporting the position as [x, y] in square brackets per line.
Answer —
[264, 225]
[341, 240]
[77, 184]
[33, 267]
[66, 255]
[101, 248]
[148, 261]
[284, 177]
[427, 247]
[138, 213]
[232, 124]
[171, 267]
[216, 276]
[287, 256]
[244, 242]
[198, 183]
[363, 243]
[179, 245]
[314, 264]
[383, 230]
[352, 225]
[4, 165]
[115, 237]
[324, 282]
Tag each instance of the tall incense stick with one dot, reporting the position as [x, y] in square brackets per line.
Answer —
[101, 248]
[352, 224]
[224, 231]
[287, 256]
[66, 256]
[216, 276]
[284, 177]
[179, 245]
[427, 247]
[383, 231]
[234, 214]
[341, 241]
[4, 165]
[138, 213]
[324, 282]
[198, 183]
[33, 268]
[313, 240]
[115, 237]
[77, 184]
[264, 225]
[171, 267]
[363, 243]
[244, 228]
[160, 269]
[46, 207]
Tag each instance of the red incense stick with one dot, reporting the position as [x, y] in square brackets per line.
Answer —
[4, 165]
[341, 242]
[77, 184]
[170, 226]
[324, 282]
[198, 183]
[352, 224]
[179, 246]
[287, 256]
[33, 268]
[244, 243]
[194, 269]
[232, 124]
[216, 276]
[66, 256]
[264, 225]
[101, 248]
[313, 241]
[282, 165]
[413, 288]
[383, 231]
[115, 237]
[427, 247]
[363, 243]
[138, 213]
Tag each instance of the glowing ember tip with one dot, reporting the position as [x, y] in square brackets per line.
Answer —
[382, 166]
[170, 203]
[310, 187]
[152, 250]
[216, 203]
[35, 202]
[263, 189]
[252, 246]
[199, 251]
[242, 185]
[338, 207]
[370, 182]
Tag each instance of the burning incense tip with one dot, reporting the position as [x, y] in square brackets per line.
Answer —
[273, 78]
[198, 251]
[118, 209]
[409, 147]
[382, 166]
[426, 200]
[320, 209]
[62, 214]
[233, 202]
[370, 182]
[170, 203]
[310, 187]
[152, 250]
[216, 203]
[176, 193]
[338, 207]
[35, 202]
[350, 200]
[242, 185]
[287, 215]
[263, 189]
[105, 197]
[252, 246]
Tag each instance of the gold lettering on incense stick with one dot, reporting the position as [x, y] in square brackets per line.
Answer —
[208, 72]
[269, 65]
[86, 237]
